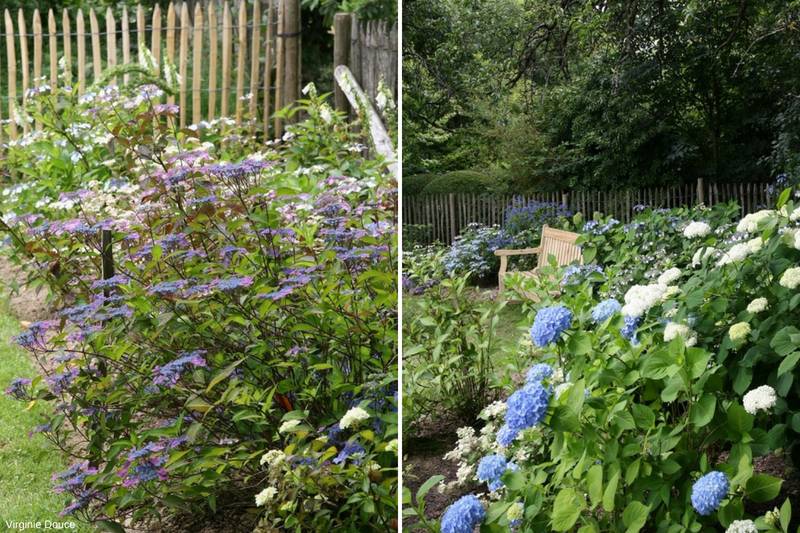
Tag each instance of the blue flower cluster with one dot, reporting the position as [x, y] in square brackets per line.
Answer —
[506, 435]
[527, 407]
[473, 250]
[709, 491]
[532, 216]
[549, 324]
[463, 515]
[539, 372]
[574, 274]
[350, 448]
[628, 329]
[491, 468]
[169, 374]
[605, 310]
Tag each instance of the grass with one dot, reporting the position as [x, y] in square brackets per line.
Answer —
[26, 463]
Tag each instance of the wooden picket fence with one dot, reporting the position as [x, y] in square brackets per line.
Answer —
[213, 43]
[442, 217]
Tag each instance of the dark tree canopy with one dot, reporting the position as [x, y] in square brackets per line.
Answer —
[603, 94]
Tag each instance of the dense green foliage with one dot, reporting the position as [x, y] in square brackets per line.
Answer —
[602, 94]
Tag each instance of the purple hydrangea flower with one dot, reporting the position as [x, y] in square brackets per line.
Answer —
[169, 374]
[17, 388]
[233, 283]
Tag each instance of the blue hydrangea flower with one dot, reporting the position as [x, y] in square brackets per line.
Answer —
[527, 407]
[605, 310]
[463, 515]
[628, 330]
[490, 468]
[549, 324]
[539, 372]
[506, 435]
[709, 491]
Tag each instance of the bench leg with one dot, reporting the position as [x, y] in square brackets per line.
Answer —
[501, 276]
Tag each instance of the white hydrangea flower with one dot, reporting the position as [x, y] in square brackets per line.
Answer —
[795, 216]
[671, 292]
[759, 399]
[757, 305]
[669, 276]
[353, 417]
[797, 239]
[754, 245]
[742, 526]
[273, 458]
[701, 254]
[288, 426]
[739, 332]
[750, 223]
[696, 229]
[265, 495]
[790, 278]
[737, 253]
[640, 298]
[673, 330]
[493, 410]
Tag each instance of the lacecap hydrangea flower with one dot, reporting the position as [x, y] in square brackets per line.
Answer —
[539, 372]
[742, 526]
[353, 417]
[527, 407]
[791, 278]
[549, 324]
[708, 492]
[696, 229]
[757, 305]
[739, 332]
[761, 398]
[605, 310]
[463, 515]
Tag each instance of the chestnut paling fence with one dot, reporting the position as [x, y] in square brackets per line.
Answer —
[231, 60]
[445, 216]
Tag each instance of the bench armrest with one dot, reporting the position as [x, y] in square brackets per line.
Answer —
[521, 251]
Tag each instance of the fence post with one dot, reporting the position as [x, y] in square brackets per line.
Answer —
[341, 53]
[700, 191]
[291, 47]
[452, 210]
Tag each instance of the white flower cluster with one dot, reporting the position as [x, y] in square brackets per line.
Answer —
[791, 278]
[759, 399]
[751, 222]
[273, 458]
[797, 239]
[739, 332]
[265, 496]
[742, 526]
[353, 417]
[289, 425]
[669, 276]
[640, 298]
[696, 229]
[795, 216]
[737, 252]
[674, 330]
[757, 305]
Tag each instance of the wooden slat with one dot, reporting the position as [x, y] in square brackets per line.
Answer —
[155, 36]
[183, 57]
[81, 30]
[126, 41]
[268, 49]
[11, 57]
[255, 61]
[241, 56]
[170, 57]
[53, 43]
[197, 65]
[111, 42]
[141, 29]
[97, 62]
[279, 68]
[37, 57]
[66, 27]
[227, 44]
[212, 61]
[23, 61]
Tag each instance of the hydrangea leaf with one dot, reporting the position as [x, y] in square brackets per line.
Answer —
[566, 509]
[702, 412]
[763, 487]
[788, 363]
[739, 420]
[634, 516]
[594, 484]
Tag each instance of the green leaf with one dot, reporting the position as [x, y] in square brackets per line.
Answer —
[788, 363]
[739, 420]
[786, 514]
[702, 412]
[594, 482]
[635, 516]
[580, 343]
[784, 197]
[566, 509]
[227, 371]
[110, 525]
[659, 365]
[763, 488]
[644, 417]
[786, 340]
[610, 493]
[427, 486]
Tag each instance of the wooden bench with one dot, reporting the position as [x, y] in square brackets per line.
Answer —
[554, 242]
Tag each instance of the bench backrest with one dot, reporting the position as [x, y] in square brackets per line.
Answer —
[561, 245]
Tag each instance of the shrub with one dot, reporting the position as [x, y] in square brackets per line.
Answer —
[414, 184]
[253, 305]
[655, 409]
[459, 181]
[472, 252]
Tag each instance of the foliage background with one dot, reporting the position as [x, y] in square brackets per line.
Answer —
[586, 94]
